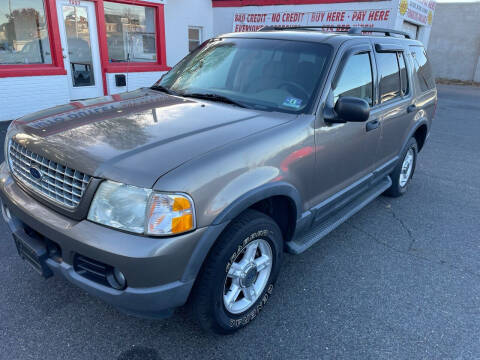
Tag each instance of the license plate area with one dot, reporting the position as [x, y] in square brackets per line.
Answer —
[34, 251]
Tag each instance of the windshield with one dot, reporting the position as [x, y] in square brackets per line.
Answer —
[272, 75]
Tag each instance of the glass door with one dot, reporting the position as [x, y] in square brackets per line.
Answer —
[81, 54]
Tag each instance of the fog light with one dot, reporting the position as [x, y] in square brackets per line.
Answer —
[117, 280]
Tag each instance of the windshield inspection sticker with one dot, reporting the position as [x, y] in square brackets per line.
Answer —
[292, 102]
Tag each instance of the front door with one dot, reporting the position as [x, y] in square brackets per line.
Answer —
[346, 153]
[78, 31]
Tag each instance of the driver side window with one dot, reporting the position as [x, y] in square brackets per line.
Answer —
[356, 79]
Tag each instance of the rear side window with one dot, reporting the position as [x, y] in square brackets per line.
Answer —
[389, 73]
[422, 68]
[356, 79]
[403, 73]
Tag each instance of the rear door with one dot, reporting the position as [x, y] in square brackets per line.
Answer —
[395, 99]
[426, 92]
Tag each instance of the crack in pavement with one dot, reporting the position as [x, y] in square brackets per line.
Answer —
[402, 224]
[409, 253]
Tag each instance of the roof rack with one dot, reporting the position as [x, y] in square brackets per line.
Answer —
[352, 30]
[387, 32]
[270, 27]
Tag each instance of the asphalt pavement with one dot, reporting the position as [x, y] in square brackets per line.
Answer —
[400, 280]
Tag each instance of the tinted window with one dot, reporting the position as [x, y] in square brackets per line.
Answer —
[422, 68]
[356, 79]
[272, 75]
[403, 73]
[389, 76]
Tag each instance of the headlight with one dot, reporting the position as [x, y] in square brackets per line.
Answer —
[141, 211]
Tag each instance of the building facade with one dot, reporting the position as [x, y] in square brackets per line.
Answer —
[56, 51]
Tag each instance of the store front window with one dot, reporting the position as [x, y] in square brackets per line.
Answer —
[130, 32]
[23, 33]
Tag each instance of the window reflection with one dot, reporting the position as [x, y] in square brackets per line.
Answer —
[356, 79]
[23, 33]
[422, 68]
[130, 32]
[78, 41]
[389, 73]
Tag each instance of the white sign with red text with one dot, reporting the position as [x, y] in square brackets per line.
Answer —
[244, 22]
[417, 11]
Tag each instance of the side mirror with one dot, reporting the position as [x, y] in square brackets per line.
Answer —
[350, 109]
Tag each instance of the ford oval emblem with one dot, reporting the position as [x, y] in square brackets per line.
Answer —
[36, 173]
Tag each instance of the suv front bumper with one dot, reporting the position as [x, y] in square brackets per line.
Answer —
[155, 268]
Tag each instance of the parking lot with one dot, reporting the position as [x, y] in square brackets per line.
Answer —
[400, 280]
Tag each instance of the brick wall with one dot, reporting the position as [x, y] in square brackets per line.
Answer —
[23, 95]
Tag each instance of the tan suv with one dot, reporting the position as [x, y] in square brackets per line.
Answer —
[254, 144]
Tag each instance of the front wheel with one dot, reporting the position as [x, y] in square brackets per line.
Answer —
[403, 172]
[238, 276]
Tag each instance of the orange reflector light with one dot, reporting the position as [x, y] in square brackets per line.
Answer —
[180, 204]
[182, 223]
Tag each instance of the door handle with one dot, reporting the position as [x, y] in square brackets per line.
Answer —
[372, 125]
[411, 108]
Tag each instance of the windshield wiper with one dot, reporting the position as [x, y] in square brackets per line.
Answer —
[214, 97]
[163, 89]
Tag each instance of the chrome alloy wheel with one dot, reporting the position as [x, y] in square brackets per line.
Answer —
[407, 167]
[247, 277]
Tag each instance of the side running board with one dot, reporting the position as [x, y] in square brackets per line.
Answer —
[303, 241]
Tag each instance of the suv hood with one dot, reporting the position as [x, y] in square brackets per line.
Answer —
[135, 137]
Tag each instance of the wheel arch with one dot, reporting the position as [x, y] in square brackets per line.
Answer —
[420, 135]
[419, 132]
[262, 199]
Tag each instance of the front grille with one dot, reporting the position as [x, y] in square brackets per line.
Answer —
[58, 183]
[92, 270]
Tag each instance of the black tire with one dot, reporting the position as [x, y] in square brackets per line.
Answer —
[207, 303]
[396, 189]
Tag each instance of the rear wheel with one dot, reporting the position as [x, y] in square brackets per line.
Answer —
[238, 276]
[403, 172]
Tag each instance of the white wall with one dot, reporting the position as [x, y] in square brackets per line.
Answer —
[134, 81]
[179, 15]
[23, 95]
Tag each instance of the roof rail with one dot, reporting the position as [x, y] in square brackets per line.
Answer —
[387, 32]
[271, 27]
[349, 29]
